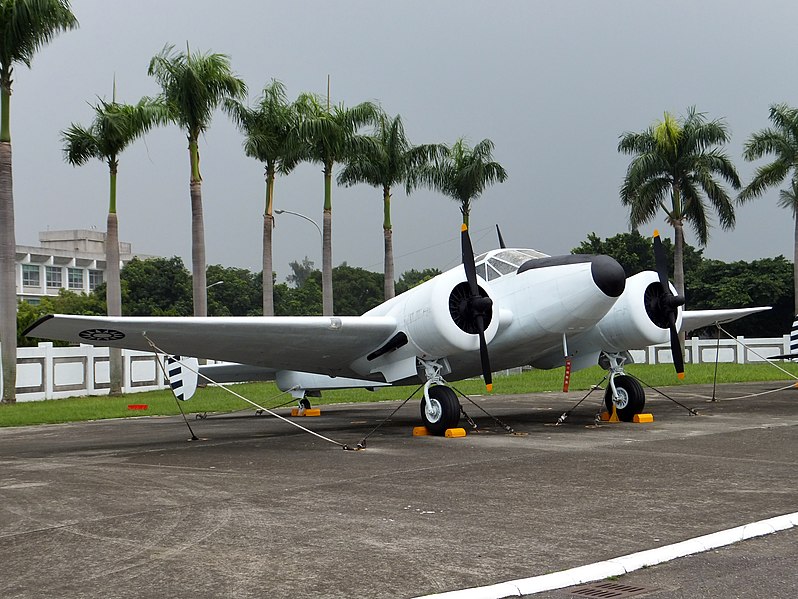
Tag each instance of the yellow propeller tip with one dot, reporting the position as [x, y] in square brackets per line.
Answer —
[463, 228]
[680, 375]
[656, 232]
[489, 387]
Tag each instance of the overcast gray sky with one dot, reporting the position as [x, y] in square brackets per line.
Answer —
[552, 83]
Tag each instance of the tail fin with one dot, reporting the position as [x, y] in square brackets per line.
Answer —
[182, 373]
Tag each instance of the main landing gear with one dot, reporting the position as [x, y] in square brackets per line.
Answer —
[624, 392]
[440, 407]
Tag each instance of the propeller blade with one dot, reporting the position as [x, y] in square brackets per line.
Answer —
[676, 351]
[476, 303]
[468, 260]
[670, 303]
[483, 353]
[660, 260]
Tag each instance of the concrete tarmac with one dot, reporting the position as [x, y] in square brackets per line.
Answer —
[130, 508]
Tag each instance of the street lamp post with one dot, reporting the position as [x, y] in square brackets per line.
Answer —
[307, 218]
[321, 238]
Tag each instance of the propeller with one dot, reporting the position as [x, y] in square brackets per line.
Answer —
[667, 304]
[475, 306]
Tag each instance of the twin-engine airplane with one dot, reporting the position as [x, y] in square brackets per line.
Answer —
[504, 309]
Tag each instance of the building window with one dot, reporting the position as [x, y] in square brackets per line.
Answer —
[31, 276]
[76, 278]
[95, 279]
[54, 277]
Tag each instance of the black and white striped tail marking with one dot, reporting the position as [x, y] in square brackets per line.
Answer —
[794, 336]
[175, 373]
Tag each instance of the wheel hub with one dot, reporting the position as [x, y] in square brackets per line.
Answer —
[621, 399]
[433, 409]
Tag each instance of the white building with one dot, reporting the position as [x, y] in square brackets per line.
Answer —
[73, 260]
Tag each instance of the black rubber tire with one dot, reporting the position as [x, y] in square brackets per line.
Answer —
[304, 403]
[634, 395]
[448, 412]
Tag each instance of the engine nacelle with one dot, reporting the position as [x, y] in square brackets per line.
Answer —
[431, 320]
[633, 322]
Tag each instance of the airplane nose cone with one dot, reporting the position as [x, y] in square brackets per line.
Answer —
[608, 275]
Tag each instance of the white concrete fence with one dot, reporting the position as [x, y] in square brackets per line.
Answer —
[47, 372]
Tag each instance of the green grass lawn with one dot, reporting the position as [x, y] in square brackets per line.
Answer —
[215, 399]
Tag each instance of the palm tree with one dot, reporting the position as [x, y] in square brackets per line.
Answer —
[390, 161]
[675, 164]
[266, 127]
[25, 26]
[462, 173]
[327, 136]
[114, 127]
[193, 85]
[782, 142]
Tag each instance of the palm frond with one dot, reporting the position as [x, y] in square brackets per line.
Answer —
[27, 25]
[193, 85]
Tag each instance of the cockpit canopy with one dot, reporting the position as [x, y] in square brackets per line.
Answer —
[498, 263]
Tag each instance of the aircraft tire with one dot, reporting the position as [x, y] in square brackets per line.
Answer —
[446, 413]
[304, 403]
[633, 398]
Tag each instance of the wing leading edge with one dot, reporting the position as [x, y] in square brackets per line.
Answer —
[317, 344]
[696, 319]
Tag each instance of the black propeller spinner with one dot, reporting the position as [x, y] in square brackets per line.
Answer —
[663, 306]
[470, 308]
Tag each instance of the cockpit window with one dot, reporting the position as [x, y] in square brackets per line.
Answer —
[492, 265]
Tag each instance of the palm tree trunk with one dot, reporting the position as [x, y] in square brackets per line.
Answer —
[795, 267]
[268, 227]
[326, 251]
[113, 293]
[268, 268]
[200, 292]
[387, 232]
[8, 272]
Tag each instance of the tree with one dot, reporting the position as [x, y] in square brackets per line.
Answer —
[25, 26]
[462, 173]
[115, 126]
[635, 253]
[391, 160]
[675, 164]
[233, 291]
[300, 271]
[266, 127]
[328, 136]
[765, 282]
[780, 141]
[412, 278]
[358, 290]
[156, 287]
[193, 85]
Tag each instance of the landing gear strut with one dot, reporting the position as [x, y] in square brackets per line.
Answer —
[624, 392]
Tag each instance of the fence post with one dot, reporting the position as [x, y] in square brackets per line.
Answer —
[741, 350]
[48, 374]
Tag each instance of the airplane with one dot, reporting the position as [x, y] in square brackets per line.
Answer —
[506, 308]
[793, 355]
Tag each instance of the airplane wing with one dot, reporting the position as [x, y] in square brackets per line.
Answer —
[695, 319]
[316, 344]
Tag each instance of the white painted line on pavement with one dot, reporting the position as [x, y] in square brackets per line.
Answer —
[624, 564]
